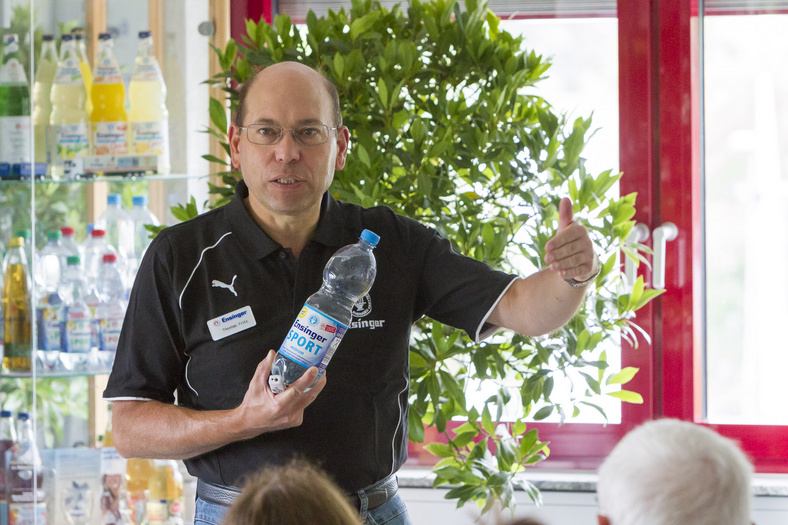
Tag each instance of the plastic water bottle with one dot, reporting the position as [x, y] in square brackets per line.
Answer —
[15, 118]
[69, 120]
[326, 315]
[42, 105]
[17, 316]
[69, 243]
[111, 310]
[25, 476]
[51, 265]
[148, 113]
[75, 345]
[139, 215]
[94, 248]
[7, 441]
[50, 262]
[118, 229]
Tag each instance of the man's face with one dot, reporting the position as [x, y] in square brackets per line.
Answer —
[288, 179]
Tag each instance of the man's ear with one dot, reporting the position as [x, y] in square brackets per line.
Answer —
[602, 520]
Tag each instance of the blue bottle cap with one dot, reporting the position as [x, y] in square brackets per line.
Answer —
[23, 416]
[6, 413]
[113, 198]
[371, 237]
[139, 200]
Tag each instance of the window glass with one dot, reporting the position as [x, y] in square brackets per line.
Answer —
[746, 125]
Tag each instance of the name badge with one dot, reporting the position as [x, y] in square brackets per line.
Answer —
[231, 323]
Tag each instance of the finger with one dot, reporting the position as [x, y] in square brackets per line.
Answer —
[264, 368]
[297, 388]
[564, 214]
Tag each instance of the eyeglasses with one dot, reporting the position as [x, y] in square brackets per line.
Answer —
[270, 134]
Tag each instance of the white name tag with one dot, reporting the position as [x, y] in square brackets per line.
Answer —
[231, 323]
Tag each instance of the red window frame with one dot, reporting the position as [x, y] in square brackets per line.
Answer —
[660, 154]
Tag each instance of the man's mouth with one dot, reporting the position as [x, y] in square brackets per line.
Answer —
[286, 181]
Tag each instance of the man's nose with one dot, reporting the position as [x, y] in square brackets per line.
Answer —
[287, 149]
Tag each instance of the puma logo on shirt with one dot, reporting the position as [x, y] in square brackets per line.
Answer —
[219, 284]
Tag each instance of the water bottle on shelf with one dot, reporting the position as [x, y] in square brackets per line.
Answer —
[17, 288]
[7, 441]
[42, 88]
[14, 105]
[111, 310]
[75, 345]
[326, 315]
[118, 230]
[25, 477]
[139, 215]
[51, 264]
[95, 247]
[147, 110]
[108, 120]
[69, 119]
[69, 243]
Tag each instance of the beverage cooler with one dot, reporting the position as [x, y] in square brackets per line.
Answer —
[103, 112]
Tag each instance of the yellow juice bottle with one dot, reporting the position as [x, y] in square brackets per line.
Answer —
[42, 107]
[16, 307]
[69, 119]
[108, 120]
[147, 109]
[84, 65]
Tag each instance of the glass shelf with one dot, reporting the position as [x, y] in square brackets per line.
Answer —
[104, 178]
[5, 374]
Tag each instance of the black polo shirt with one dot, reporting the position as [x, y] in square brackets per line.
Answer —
[214, 294]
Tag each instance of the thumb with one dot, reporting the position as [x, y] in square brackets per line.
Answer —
[564, 213]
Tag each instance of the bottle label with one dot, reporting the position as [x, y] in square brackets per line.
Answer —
[109, 138]
[71, 140]
[108, 72]
[13, 72]
[77, 335]
[310, 338]
[24, 513]
[110, 333]
[49, 320]
[165, 512]
[150, 137]
[68, 73]
[15, 146]
[146, 70]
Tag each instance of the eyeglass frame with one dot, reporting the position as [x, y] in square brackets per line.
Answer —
[282, 133]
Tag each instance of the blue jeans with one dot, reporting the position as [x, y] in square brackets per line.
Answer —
[393, 512]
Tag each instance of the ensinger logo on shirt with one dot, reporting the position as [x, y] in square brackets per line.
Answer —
[363, 308]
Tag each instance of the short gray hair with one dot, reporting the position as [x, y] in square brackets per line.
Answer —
[668, 472]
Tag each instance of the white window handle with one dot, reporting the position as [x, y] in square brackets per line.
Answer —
[662, 234]
[639, 234]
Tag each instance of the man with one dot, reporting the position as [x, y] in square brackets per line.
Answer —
[668, 472]
[215, 294]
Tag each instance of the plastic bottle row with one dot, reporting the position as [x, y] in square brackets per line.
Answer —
[80, 119]
[122, 492]
[80, 292]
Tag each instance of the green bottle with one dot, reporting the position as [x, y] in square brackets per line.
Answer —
[15, 118]
[16, 307]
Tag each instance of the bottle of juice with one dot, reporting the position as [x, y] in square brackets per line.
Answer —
[42, 87]
[14, 105]
[165, 506]
[139, 473]
[69, 119]
[84, 65]
[17, 286]
[147, 111]
[108, 120]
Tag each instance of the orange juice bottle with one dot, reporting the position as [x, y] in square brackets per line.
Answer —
[108, 120]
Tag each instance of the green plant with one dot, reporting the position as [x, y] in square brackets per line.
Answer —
[448, 127]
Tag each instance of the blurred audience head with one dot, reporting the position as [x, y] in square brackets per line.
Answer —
[294, 494]
[670, 472]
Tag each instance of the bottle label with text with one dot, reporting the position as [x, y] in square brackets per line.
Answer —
[310, 337]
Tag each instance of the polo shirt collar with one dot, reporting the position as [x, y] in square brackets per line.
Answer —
[335, 228]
